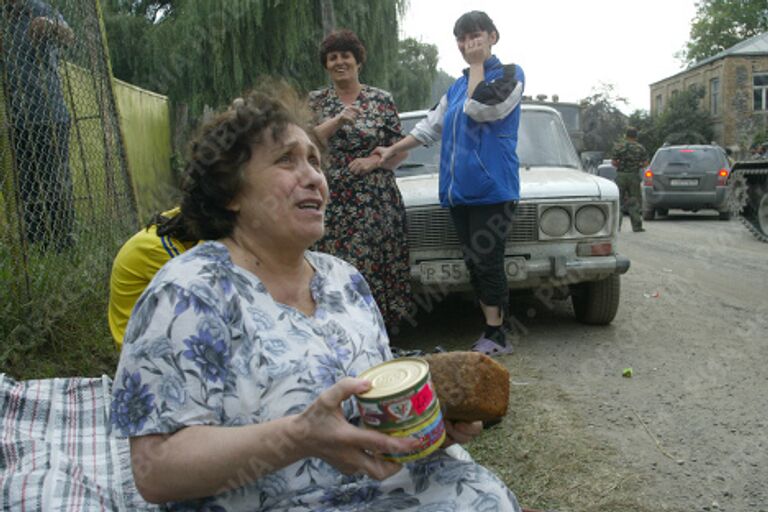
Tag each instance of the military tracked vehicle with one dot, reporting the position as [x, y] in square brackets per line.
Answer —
[748, 195]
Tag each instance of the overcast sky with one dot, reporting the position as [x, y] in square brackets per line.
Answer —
[569, 47]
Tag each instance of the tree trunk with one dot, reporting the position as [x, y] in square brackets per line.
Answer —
[328, 16]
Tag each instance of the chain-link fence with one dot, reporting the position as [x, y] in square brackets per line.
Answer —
[65, 192]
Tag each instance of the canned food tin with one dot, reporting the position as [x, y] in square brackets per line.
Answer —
[402, 402]
[430, 434]
[401, 395]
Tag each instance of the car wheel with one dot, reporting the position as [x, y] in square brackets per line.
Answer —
[649, 213]
[725, 215]
[663, 211]
[596, 302]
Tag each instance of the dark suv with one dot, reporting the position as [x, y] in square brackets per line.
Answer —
[686, 177]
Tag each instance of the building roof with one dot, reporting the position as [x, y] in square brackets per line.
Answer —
[755, 45]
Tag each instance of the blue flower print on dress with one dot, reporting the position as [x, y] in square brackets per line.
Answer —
[440, 506]
[349, 498]
[160, 348]
[270, 485]
[212, 251]
[338, 343]
[261, 320]
[458, 473]
[202, 505]
[327, 371]
[359, 286]
[131, 404]
[209, 354]
[269, 363]
[486, 503]
[172, 391]
[188, 299]
[214, 326]
[275, 347]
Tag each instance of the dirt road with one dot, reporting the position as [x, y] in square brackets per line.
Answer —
[690, 425]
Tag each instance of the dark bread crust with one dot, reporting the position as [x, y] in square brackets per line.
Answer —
[471, 386]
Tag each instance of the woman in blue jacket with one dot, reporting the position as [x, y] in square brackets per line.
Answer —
[477, 122]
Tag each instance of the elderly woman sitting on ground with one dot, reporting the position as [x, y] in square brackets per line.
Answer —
[239, 359]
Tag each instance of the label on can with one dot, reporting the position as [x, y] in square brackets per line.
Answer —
[401, 395]
[431, 435]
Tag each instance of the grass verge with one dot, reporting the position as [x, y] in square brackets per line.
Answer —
[544, 452]
[58, 327]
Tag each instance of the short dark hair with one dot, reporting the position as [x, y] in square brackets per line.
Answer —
[631, 132]
[474, 21]
[220, 152]
[342, 40]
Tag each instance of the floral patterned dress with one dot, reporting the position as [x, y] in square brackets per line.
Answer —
[365, 221]
[207, 345]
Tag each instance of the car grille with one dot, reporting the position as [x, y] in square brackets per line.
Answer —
[432, 227]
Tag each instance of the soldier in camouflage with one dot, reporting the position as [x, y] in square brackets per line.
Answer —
[630, 157]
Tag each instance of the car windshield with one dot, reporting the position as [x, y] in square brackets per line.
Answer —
[691, 158]
[542, 142]
[421, 160]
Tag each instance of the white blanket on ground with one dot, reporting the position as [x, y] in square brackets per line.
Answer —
[55, 449]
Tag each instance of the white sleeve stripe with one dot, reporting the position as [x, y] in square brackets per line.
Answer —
[429, 130]
[483, 113]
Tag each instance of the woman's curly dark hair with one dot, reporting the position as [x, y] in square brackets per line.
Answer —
[222, 149]
[343, 40]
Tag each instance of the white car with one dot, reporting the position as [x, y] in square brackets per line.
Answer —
[563, 238]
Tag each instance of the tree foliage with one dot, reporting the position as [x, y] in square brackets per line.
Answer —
[415, 71]
[202, 53]
[720, 24]
[440, 85]
[601, 120]
[682, 122]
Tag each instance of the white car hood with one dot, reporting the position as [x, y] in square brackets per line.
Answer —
[538, 183]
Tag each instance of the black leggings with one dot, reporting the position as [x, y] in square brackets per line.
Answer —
[482, 231]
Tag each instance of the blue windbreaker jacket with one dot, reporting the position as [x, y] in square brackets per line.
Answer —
[478, 158]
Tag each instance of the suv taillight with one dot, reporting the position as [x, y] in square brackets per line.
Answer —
[648, 178]
[722, 177]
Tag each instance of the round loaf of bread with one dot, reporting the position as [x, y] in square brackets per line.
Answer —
[471, 386]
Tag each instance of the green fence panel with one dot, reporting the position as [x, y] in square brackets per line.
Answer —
[145, 120]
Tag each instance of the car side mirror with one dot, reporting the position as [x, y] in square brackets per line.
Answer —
[607, 172]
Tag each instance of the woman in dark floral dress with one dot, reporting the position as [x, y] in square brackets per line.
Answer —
[365, 220]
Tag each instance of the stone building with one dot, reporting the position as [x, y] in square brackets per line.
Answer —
[735, 82]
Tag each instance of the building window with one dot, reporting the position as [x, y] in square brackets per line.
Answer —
[675, 93]
[760, 91]
[714, 96]
[659, 103]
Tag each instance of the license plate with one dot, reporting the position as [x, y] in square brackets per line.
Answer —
[683, 182]
[455, 272]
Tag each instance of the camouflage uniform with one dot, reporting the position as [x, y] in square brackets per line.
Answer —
[631, 156]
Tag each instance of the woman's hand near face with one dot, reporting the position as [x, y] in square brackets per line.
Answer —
[348, 448]
[348, 115]
[362, 166]
[327, 128]
[461, 432]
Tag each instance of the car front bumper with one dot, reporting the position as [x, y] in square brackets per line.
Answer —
[522, 273]
[684, 199]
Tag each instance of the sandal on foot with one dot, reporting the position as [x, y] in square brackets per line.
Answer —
[491, 348]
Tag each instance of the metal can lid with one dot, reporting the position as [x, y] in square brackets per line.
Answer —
[393, 377]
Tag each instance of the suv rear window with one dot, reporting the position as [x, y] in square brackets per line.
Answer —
[692, 158]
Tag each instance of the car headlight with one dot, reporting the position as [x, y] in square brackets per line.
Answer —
[555, 221]
[590, 220]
